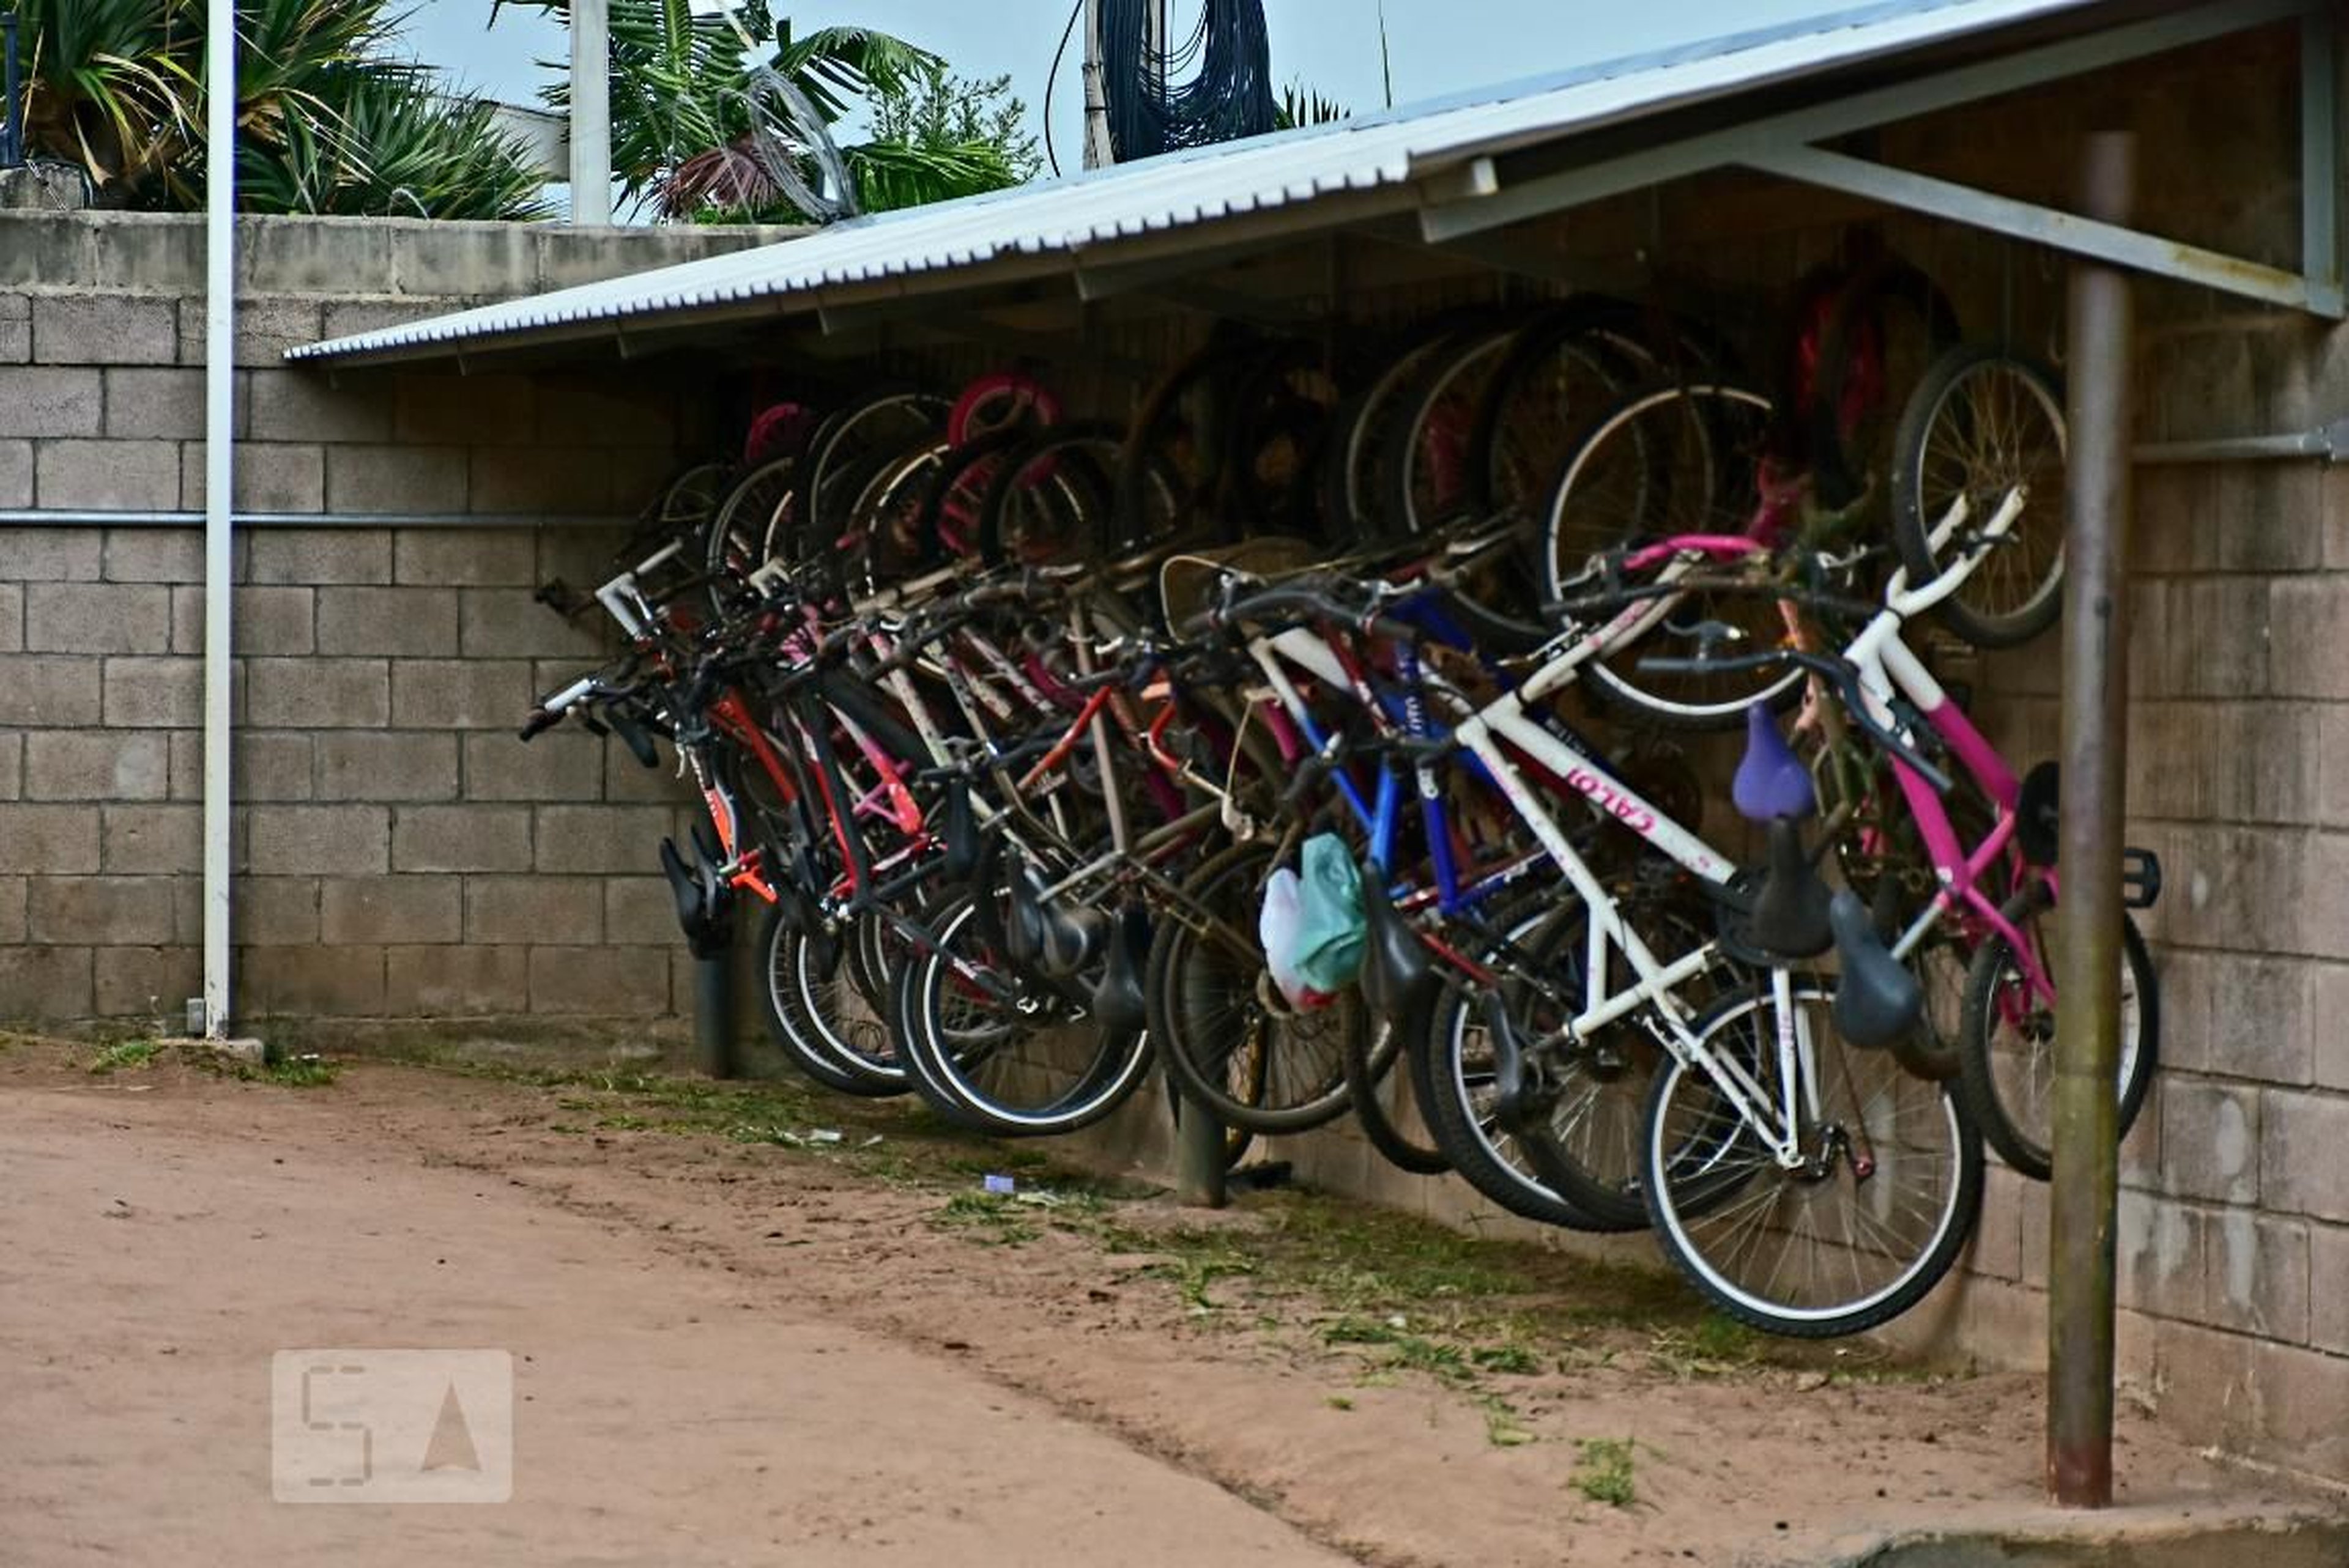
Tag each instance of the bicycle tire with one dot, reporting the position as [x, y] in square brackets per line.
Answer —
[2013, 1114]
[1373, 1062]
[1718, 1196]
[1200, 1044]
[796, 1003]
[1956, 390]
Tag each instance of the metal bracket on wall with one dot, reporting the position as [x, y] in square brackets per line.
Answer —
[1490, 195]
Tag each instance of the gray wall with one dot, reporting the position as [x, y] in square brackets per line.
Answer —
[397, 851]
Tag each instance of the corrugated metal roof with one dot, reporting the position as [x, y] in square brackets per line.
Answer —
[1095, 213]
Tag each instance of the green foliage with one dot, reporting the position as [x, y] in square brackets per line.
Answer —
[937, 109]
[1300, 104]
[328, 119]
[1604, 1474]
[121, 1053]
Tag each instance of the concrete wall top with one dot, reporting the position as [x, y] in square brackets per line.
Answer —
[163, 252]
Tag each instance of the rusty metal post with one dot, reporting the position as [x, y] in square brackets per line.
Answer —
[2085, 1151]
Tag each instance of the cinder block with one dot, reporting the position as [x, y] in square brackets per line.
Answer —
[2267, 517]
[2304, 1153]
[2304, 658]
[627, 779]
[2160, 1253]
[61, 690]
[154, 555]
[105, 329]
[187, 765]
[274, 912]
[605, 411]
[51, 554]
[335, 981]
[167, 404]
[416, 623]
[387, 765]
[351, 317]
[403, 480]
[466, 982]
[154, 693]
[154, 841]
[291, 404]
[463, 410]
[274, 765]
[563, 481]
[15, 473]
[639, 911]
[272, 477]
[318, 693]
[298, 257]
[2257, 1274]
[461, 838]
[15, 328]
[431, 258]
[147, 982]
[609, 981]
[263, 620]
[534, 909]
[164, 252]
[460, 694]
[2328, 1288]
[51, 400]
[96, 764]
[45, 984]
[267, 326]
[107, 476]
[558, 766]
[640, 475]
[505, 623]
[12, 618]
[390, 909]
[323, 840]
[11, 909]
[2300, 1396]
[583, 557]
[573, 838]
[465, 557]
[96, 909]
[97, 618]
[310, 556]
[2210, 1140]
[12, 765]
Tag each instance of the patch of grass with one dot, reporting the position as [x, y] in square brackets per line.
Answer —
[1338, 1402]
[1503, 1427]
[123, 1055]
[1605, 1472]
[990, 1218]
[302, 1072]
[1710, 1347]
[1513, 1359]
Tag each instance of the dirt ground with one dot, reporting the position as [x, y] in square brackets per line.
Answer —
[753, 1325]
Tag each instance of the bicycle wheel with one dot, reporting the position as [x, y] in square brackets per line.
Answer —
[1869, 1219]
[810, 1021]
[1020, 1055]
[1670, 460]
[1981, 423]
[1228, 1034]
[2006, 1063]
[1384, 1106]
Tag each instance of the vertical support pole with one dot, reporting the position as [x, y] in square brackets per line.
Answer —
[591, 111]
[713, 1009]
[220, 490]
[2320, 147]
[1198, 1152]
[12, 105]
[1098, 154]
[2085, 1187]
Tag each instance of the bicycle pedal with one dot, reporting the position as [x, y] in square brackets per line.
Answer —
[2141, 877]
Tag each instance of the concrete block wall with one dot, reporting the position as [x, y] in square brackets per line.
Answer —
[399, 853]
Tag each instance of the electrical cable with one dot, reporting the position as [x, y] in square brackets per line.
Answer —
[1052, 76]
[1229, 98]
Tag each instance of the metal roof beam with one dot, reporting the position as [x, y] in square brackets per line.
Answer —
[1466, 202]
[2320, 147]
[2046, 226]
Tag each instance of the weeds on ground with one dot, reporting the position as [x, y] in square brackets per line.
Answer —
[123, 1054]
[1604, 1472]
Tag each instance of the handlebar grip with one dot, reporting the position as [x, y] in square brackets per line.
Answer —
[539, 721]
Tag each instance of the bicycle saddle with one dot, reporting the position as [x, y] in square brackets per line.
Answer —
[701, 901]
[1771, 780]
[1789, 917]
[1395, 973]
[1877, 999]
[961, 834]
[1117, 1002]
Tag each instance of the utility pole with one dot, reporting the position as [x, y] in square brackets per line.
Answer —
[591, 111]
[1099, 152]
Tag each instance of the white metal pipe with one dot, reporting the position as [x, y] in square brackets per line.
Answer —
[591, 111]
[220, 493]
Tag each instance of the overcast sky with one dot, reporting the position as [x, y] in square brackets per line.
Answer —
[1436, 47]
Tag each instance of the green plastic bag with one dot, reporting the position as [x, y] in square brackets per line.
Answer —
[1331, 930]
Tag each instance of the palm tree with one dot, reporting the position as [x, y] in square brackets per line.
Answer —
[695, 139]
[328, 119]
